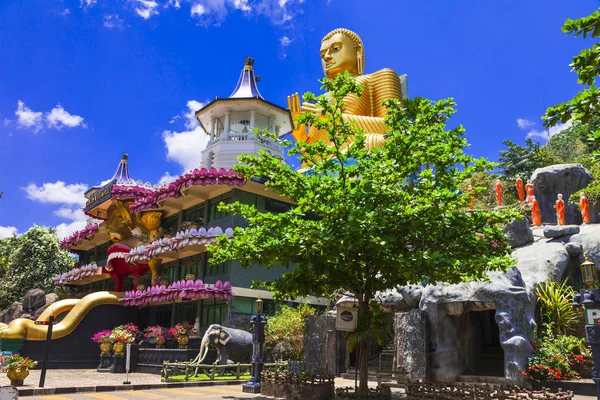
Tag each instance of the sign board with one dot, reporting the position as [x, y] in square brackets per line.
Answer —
[347, 319]
[592, 316]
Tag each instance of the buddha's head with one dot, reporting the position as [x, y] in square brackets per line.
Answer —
[342, 50]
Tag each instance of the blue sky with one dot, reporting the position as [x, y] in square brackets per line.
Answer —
[82, 81]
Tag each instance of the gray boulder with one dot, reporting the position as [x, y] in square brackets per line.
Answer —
[574, 249]
[13, 312]
[34, 299]
[553, 232]
[51, 298]
[411, 344]
[518, 233]
[567, 179]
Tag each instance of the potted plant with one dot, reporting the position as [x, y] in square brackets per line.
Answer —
[104, 340]
[182, 332]
[157, 332]
[122, 335]
[16, 368]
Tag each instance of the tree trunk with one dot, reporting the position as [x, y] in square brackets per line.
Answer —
[363, 351]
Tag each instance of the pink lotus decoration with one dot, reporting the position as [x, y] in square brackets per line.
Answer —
[185, 290]
[189, 237]
[75, 274]
[131, 190]
[78, 237]
[200, 177]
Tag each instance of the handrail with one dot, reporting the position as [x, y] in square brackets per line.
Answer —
[173, 368]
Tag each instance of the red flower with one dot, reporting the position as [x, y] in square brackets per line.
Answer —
[532, 368]
[534, 345]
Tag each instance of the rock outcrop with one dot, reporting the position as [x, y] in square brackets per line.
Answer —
[567, 179]
[553, 232]
[518, 233]
[33, 305]
[34, 299]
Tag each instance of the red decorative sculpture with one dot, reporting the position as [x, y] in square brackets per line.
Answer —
[529, 191]
[498, 192]
[560, 210]
[520, 191]
[584, 207]
[118, 268]
[536, 217]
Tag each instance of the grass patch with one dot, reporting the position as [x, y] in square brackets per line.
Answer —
[204, 377]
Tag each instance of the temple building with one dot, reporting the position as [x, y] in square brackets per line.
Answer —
[150, 239]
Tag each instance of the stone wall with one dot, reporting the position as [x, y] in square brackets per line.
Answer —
[411, 344]
[324, 346]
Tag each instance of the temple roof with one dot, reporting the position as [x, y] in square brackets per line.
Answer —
[246, 86]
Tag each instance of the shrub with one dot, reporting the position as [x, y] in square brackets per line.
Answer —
[16, 361]
[285, 331]
[555, 357]
[592, 192]
[156, 332]
[102, 337]
[555, 302]
[182, 329]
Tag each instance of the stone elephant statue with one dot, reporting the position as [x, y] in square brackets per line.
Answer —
[231, 343]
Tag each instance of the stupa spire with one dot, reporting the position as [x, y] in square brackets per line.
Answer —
[246, 86]
[122, 172]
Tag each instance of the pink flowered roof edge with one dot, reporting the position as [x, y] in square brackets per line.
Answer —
[200, 176]
[78, 237]
[75, 274]
[177, 290]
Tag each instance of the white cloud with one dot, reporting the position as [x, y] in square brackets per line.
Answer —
[285, 41]
[63, 230]
[65, 12]
[173, 3]
[242, 5]
[145, 8]
[197, 10]
[113, 21]
[167, 178]
[28, 119]
[58, 193]
[74, 214]
[524, 123]
[545, 135]
[8, 231]
[185, 147]
[58, 118]
[87, 3]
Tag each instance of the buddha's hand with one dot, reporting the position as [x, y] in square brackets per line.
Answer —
[295, 108]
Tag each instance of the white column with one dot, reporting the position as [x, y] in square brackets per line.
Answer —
[213, 125]
[226, 127]
[271, 124]
[252, 117]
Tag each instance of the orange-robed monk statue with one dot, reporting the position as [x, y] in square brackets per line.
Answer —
[529, 191]
[584, 208]
[536, 216]
[520, 191]
[343, 50]
[498, 192]
[560, 210]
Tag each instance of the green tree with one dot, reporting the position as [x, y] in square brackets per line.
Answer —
[519, 160]
[357, 224]
[572, 144]
[32, 261]
[586, 65]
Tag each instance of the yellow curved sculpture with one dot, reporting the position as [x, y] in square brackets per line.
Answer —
[77, 309]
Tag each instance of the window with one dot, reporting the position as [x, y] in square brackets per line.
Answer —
[194, 214]
[191, 265]
[217, 269]
[276, 206]
[186, 312]
[247, 198]
[170, 270]
[213, 312]
[213, 212]
[102, 251]
[171, 224]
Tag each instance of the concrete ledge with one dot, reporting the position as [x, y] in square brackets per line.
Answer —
[112, 388]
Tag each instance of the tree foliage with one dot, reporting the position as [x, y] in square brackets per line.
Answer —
[286, 330]
[585, 105]
[357, 224]
[519, 160]
[29, 262]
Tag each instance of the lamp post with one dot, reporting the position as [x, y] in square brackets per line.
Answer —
[590, 300]
[258, 320]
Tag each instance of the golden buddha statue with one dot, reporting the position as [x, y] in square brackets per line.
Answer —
[343, 50]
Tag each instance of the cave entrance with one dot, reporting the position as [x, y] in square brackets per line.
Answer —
[478, 338]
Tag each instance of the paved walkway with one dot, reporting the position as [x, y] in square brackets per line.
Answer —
[80, 377]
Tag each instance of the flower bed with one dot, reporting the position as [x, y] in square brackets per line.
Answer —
[78, 237]
[182, 289]
[556, 359]
[189, 237]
